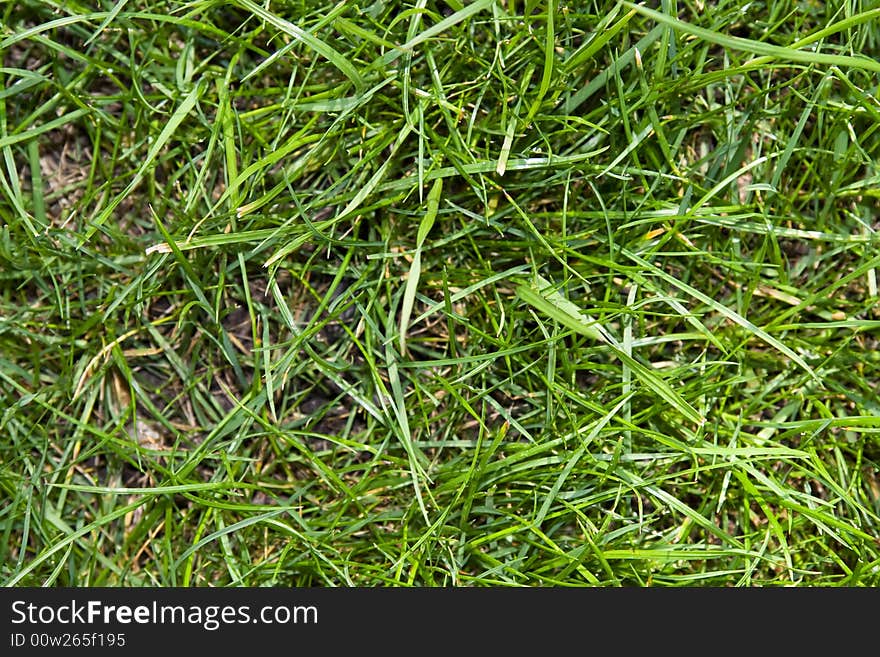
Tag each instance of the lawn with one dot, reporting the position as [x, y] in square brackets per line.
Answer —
[487, 293]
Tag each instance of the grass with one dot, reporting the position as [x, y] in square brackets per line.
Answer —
[439, 293]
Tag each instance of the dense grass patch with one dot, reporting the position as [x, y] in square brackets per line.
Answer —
[439, 293]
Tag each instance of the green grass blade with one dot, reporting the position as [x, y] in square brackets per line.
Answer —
[415, 270]
[186, 106]
[790, 54]
[443, 25]
[724, 310]
[325, 50]
[540, 295]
